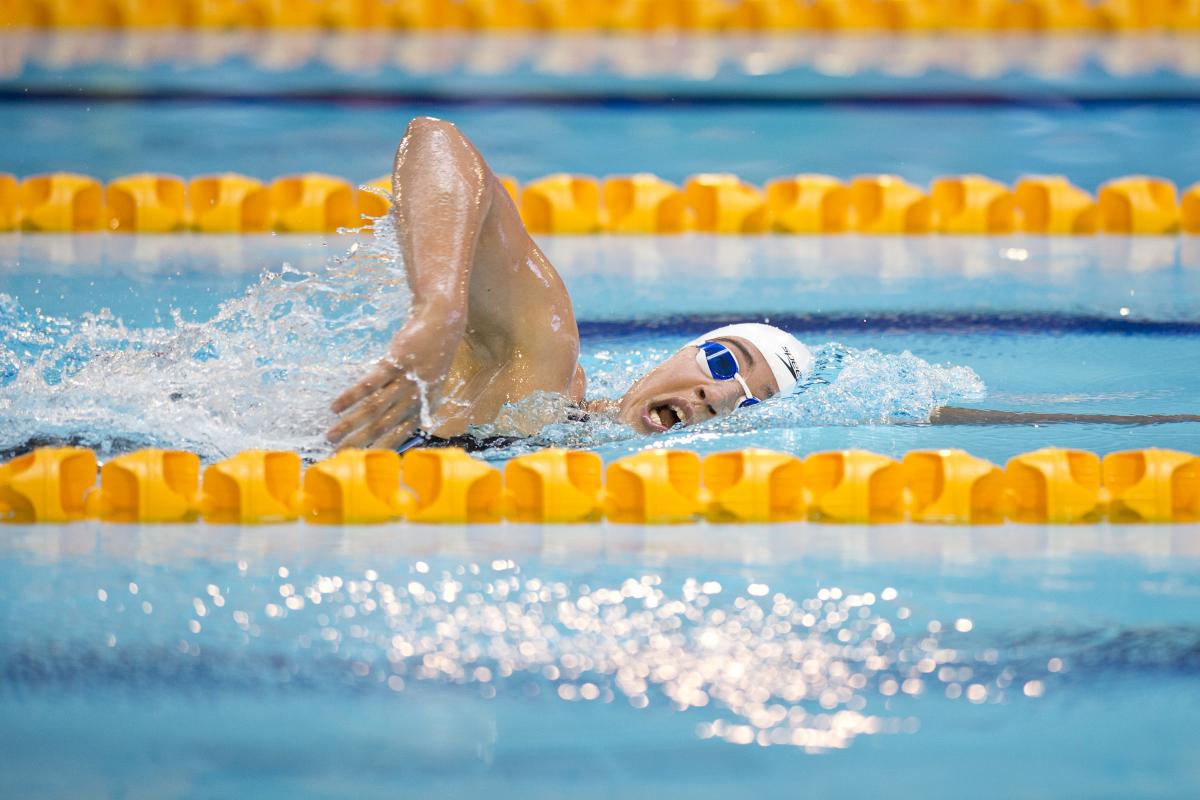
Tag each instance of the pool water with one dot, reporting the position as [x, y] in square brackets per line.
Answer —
[521, 661]
[1088, 142]
[208, 661]
[599, 660]
[185, 346]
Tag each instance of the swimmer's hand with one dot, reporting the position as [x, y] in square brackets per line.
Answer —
[384, 408]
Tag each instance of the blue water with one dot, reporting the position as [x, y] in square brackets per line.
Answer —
[190, 342]
[539, 661]
[1088, 143]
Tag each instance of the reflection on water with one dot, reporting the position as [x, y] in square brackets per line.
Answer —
[597, 645]
[626, 615]
[760, 665]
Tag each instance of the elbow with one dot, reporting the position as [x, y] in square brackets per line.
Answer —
[436, 142]
[426, 129]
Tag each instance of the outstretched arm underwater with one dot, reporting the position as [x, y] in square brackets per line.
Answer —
[950, 415]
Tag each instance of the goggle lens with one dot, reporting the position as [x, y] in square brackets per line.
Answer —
[721, 364]
[720, 361]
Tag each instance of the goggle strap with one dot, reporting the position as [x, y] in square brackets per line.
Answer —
[749, 395]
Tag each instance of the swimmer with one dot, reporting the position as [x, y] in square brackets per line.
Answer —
[491, 323]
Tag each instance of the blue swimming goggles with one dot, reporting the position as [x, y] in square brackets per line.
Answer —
[718, 361]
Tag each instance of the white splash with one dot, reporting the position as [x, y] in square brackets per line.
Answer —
[260, 373]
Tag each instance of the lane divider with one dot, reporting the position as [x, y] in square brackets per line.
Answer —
[1050, 485]
[917, 16]
[626, 204]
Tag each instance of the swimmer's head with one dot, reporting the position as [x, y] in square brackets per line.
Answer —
[725, 369]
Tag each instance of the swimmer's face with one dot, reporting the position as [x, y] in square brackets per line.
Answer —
[679, 391]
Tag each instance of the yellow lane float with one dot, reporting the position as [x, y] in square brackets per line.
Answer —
[229, 203]
[561, 204]
[148, 486]
[146, 203]
[808, 204]
[754, 486]
[855, 486]
[313, 203]
[555, 486]
[953, 486]
[1152, 485]
[1051, 204]
[61, 202]
[450, 486]
[1189, 209]
[1055, 485]
[374, 198]
[657, 486]
[10, 204]
[973, 204]
[48, 485]
[724, 203]
[654, 486]
[1138, 204]
[255, 486]
[641, 203]
[888, 204]
[353, 487]
[683, 16]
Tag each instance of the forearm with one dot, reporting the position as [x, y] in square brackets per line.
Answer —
[442, 196]
[443, 193]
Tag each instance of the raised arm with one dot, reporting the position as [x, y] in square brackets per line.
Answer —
[443, 192]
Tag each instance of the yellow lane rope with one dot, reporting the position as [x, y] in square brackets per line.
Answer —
[1050, 485]
[920, 16]
[625, 204]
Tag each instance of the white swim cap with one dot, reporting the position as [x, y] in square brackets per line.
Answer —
[790, 361]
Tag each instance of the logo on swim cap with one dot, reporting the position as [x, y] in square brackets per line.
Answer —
[789, 362]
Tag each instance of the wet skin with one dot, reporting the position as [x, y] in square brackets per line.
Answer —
[491, 321]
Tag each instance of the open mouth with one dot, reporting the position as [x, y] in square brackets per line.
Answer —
[666, 416]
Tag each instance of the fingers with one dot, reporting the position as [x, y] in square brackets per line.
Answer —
[380, 376]
[381, 407]
[399, 413]
[367, 411]
[372, 408]
[397, 436]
